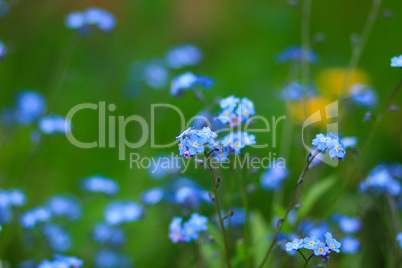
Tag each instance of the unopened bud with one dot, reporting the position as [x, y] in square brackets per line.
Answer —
[218, 181]
[280, 221]
[297, 206]
[393, 108]
[230, 214]
[211, 196]
[368, 116]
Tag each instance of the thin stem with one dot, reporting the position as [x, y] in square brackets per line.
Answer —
[302, 254]
[306, 48]
[366, 145]
[218, 209]
[361, 44]
[299, 183]
[243, 191]
[309, 258]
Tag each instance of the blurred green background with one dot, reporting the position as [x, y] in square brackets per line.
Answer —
[239, 40]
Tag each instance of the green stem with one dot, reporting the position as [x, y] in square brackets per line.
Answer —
[218, 210]
[299, 183]
[309, 258]
[366, 146]
[301, 254]
[360, 45]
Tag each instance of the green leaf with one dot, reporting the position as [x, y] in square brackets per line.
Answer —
[314, 193]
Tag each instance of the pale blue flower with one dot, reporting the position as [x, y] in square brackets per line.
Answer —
[350, 245]
[296, 244]
[54, 124]
[207, 135]
[272, 178]
[310, 242]
[175, 230]
[3, 50]
[183, 55]
[332, 243]
[295, 53]
[152, 196]
[320, 249]
[100, 184]
[199, 223]
[364, 96]
[396, 61]
[195, 144]
[245, 109]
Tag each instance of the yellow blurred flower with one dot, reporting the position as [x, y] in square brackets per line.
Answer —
[330, 81]
[313, 104]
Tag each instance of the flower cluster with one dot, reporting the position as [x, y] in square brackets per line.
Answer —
[10, 199]
[53, 124]
[3, 50]
[319, 248]
[364, 96]
[118, 212]
[100, 184]
[189, 230]
[396, 61]
[272, 178]
[332, 143]
[295, 53]
[86, 21]
[192, 141]
[62, 261]
[183, 55]
[235, 111]
[189, 81]
[104, 233]
[383, 179]
[295, 90]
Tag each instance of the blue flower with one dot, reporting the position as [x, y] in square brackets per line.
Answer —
[272, 178]
[332, 243]
[30, 105]
[105, 234]
[189, 232]
[349, 225]
[3, 50]
[175, 230]
[14, 197]
[63, 206]
[364, 96]
[108, 258]
[396, 61]
[321, 141]
[70, 260]
[229, 103]
[191, 196]
[85, 22]
[221, 156]
[320, 249]
[59, 239]
[31, 218]
[349, 142]
[295, 53]
[183, 55]
[245, 108]
[310, 242]
[350, 245]
[399, 239]
[100, 184]
[118, 212]
[336, 149]
[296, 244]
[54, 124]
[198, 223]
[152, 196]
[195, 144]
[381, 180]
[188, 81]
[207, 135]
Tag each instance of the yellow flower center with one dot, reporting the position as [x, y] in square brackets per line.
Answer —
[226, 113]
[195, 144]
[337, 147]
[332, 245]
[190, 231]
[320, 250]
[311, 243]
[181, 145]
[234, 120]
[221, 154]
[237, 144]
[246, 112]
